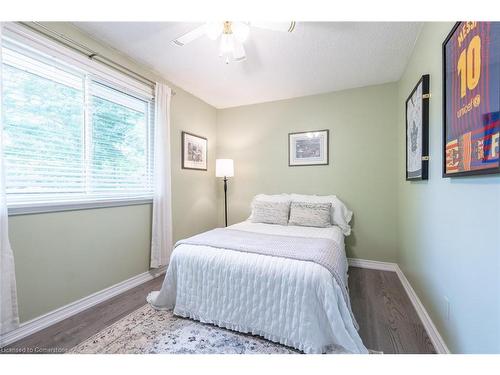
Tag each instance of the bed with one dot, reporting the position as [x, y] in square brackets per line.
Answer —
[292, 301]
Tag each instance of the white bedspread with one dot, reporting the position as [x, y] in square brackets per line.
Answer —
[292, 302]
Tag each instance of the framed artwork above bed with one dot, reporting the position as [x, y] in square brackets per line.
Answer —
[308, 148]
[417, 131]
[194, 151]
[471, 99]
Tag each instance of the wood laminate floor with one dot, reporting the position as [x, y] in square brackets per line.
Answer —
[387, 319]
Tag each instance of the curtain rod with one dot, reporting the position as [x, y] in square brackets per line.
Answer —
[84, 50]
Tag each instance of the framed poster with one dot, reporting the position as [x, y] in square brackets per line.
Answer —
[471, 99]
[308, 148]
[417, 131]
[194, 151]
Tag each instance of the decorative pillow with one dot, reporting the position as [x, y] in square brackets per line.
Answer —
[270, 212]
[310, 214]
[269, 198]
[340, 214]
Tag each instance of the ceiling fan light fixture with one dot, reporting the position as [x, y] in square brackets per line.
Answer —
[226, 44]
[238, 50]
[230, 47]
[232, 35]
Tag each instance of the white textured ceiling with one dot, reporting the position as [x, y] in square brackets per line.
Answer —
[317, 57]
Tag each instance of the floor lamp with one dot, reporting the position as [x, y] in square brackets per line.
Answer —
[224, 168]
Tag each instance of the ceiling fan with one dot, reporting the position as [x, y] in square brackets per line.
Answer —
[232, 35]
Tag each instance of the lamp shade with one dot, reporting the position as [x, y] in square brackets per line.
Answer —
[224, 168]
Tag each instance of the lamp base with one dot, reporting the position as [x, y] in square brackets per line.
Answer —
[225, 201]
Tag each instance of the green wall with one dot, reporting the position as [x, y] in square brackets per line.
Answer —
[57, 254]
[448, 227]
[363, 159]
[64, 256]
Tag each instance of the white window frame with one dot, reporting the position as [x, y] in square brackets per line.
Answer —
[43, 45]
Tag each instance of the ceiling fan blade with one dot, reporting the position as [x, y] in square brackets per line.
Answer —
[190, 36]
[275, 26]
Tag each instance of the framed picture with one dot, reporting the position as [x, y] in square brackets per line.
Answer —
[308, 148]
[471, 99]
[417, 131]
[194, 152]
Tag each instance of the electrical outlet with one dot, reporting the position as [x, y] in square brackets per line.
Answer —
[446, 308]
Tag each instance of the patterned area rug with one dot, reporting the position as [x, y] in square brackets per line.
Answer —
[149, 331]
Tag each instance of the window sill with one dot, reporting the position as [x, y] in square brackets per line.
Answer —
[15, 209]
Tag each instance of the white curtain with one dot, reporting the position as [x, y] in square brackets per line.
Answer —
[161, 238]
[9, 318]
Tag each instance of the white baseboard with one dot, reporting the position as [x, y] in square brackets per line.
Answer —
[431, 329]
[436, 339]
[372, 264]
[64, 312]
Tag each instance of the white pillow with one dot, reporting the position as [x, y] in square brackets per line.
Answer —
[269, 198]
[341, 215]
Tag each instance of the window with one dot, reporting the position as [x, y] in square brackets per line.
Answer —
[70, 135]
[120, 147]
